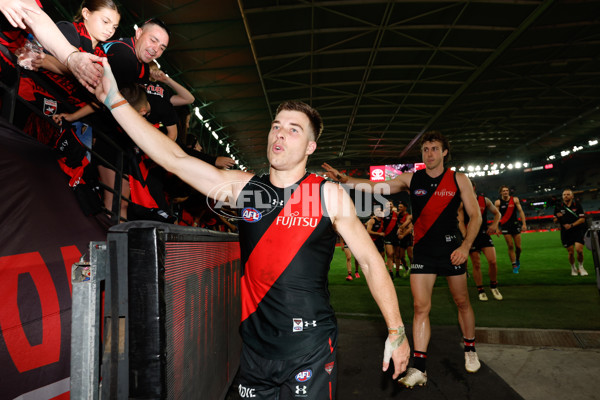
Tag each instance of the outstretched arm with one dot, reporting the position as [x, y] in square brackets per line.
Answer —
[343, 215]
[82, 65]
[396, 185]
[213, 182]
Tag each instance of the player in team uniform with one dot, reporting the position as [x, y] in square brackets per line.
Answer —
[390, 236]
[405, 238]
[510, 226]
[483, 243]
[375, 229]
[439, 248]
[287, 233]
[569, 214]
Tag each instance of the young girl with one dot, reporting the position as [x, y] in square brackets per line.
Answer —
[56, 91]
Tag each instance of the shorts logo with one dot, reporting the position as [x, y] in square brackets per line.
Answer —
[251, 215]
[50, 106]
[329, 367]
[304, 375]
[246, 393]
[420, 192]
[416, 266]
[301, 391]
[298, 326]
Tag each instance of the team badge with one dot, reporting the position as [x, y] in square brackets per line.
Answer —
[329, 367]
[298, 326]
[420, 192]
[50, 106]
[304, 375]
[251, 215]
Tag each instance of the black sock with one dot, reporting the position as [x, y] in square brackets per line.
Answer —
[420, 360]
[493, 284]
[480, 289]
[469, 344]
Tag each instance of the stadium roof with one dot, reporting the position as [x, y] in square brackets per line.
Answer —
[503, 80]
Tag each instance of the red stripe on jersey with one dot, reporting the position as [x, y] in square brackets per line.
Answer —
[482, 205]
[277, 247]
[436, 204]
[509, 211]
[392, 223]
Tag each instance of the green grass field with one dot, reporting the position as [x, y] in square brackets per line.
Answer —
[543, 295]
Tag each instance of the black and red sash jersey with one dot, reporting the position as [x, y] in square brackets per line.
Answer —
[508, 211]
[124, 63]
[483, 209]
[390, 225]
[376, 227]
[287, 243]
[435, 203]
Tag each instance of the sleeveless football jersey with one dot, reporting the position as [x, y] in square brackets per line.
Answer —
[435, 203]
[508, 206]
[287, 244]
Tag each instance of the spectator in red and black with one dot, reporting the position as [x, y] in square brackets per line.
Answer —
[130, 58]
[164, 94]
[53, 90]
[21, 15]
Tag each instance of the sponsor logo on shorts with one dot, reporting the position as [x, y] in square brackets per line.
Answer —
[420, 192]
[246, 393]
[304, 375]
[251, 215]
[301, 391]
[416, 266]
[329, 367]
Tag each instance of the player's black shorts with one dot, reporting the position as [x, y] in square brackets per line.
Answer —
[311, 377]
[482, 240]
[392, 239]
[568, 237]
[379, 244]
[439, 265]
[511, 228]
[406, 241]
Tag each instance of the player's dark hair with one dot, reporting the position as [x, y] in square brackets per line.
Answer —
[158, 22]
[316, 123]
[431, 136]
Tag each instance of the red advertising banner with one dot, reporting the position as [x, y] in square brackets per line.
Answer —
[43, 233]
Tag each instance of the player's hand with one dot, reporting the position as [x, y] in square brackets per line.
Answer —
[107, 90]
[397, 349]
[459, 256]
[17, 12]
[84, 66]
[224, 162]
[333, 173]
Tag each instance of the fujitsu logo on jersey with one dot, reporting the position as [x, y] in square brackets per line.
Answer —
[296, 220]
[444, 193]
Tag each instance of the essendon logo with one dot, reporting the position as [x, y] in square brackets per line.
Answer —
[50, 106]
[251, 215]
[420, 192]
[329, 367]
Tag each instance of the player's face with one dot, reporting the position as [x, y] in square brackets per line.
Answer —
[150, 43]
[567, 196]
[401, 208]
[505, 193]
[289, 141]
[433, 155]
[101, 24]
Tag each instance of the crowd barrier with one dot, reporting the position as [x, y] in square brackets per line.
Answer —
[171, 314]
